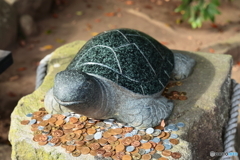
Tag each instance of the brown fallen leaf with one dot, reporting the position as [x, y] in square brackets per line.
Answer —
[94, 33]
[211, 50]
[110, 14]
[213, 25]
[89, 26]
[47, 47]
[238, 63]
[97, 20]
[129, 2]
[14, 78]
[22, 69]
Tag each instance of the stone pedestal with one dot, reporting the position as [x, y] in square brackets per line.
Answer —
[205, 112]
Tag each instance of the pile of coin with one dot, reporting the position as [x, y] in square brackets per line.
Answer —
[174, 95]
[104, 139]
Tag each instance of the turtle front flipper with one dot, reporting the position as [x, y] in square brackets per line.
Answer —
[183, 66]
[146, 112]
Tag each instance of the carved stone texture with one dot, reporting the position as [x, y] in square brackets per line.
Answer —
[204, 113]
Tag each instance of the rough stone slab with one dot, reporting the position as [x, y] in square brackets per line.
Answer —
[205, 113]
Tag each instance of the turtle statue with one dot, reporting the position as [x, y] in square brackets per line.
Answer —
[119, 74]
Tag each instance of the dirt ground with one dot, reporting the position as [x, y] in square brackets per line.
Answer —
[82, 19]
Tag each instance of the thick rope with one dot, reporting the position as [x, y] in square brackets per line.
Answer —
[42, 70]
[231, 129]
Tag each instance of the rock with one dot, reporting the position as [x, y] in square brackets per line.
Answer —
[205, 113]
[8, 25]
[36, 9]
[28, 25]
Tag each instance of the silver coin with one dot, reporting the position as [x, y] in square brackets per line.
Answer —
[70, 142]
[130, 148]
[98, 135]
[134, 132]
[66, 114]
[141, 133]
[156, 140]
[143, 141]
[173, 135]
[128, 135]
[156, 156]
[166, 141]
[156, 132]
[175, 128]
[120, 124]
[107, 121]
[51, 144]
[167, 146]
[32, 121]
[107, 158]
[118, 136]
[171, 126]
[147, 151]
[49, 138]
[40, 128]
[89, 137]
[149, 130]
[29, 115]
[77, 115]
[166, 129]
[100, 124]
[141, 151]
[114, 126]
[67, 119]
[180, 124]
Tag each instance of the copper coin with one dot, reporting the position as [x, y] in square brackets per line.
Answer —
[64, 146]
[107, 147]
[34, 125]
[79, 143]
[107, 154]
[52, 120]
[178, 83]
[83, 118]
[126, 157]
[25, 122]
[34, 129]
[176, 155]
[136, 143]
[111, 139]
[38, 113]
[59, 122]
[94, 146]
[174, 141]
[117, 131]
[42, 143]
[70, 148]
[76, 153]
[73, 120]
[79, 126]
[101, 151]
[36, 137]
[136, 137]
[166, 153]
[77, 131]
[120, 148]
[146, 145]
[91, 130]
[182, 98]
[162, 158]
[107, 134]
[61, 117]
[136, 150]
[162, 134]
[146, 157]
[47, 128]
[54, 140]
[43, 123]
[70, 136]
[43, 138]
[167, 135]
[93, 152]
[159, 147]
[58, 144]
[77, 136]
[68, 126]
[128, 129]
[146, 137]
[159, 127]
[153, 144]
[85, 150]
[102, 141]
[127, 141]
[57, 133]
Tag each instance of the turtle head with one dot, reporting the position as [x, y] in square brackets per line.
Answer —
[73, 87]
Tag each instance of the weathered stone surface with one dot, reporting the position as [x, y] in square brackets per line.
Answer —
[36, 9]
[28, 25]
[8, 25]
[205, 112]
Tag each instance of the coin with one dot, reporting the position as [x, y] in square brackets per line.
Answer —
[60, 117]
[79, 143]
[146, 145]
[54, 140]
[43, 138]
[118, 131]
[141, 151]
[159, 147]
[73, 120]
[126, 157]
[85, 150]
[128, 129]
[76, 153]
[130, 148]
[98, 135]
[101, 151]
[107, 154]
[156, 155]
[176, 155]
[52, 120]
[174, 141]
[59, 122]
[174, 136]
[91, 130]
[70, 136]
[136, 143]
[167, 146]
[180, 124]
[166, 153]
[93, 152]
[182, 98]
[25, 122]
[162, 158]
[89, 137]
[136, 156]
[127, 141]
[32, 121]
[120, 148]
[94, 146]
[106, 134]
[146, 157]
[42, 143]
[166, 136]
[83, 118]
[70, 148]
[47, 116]
[111, 139]
[136, 137]
[149, 130]
[43, 123]
[68, 126]
[156, 140]
[146, 137]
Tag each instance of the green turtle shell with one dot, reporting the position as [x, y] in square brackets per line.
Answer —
[130, 58]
